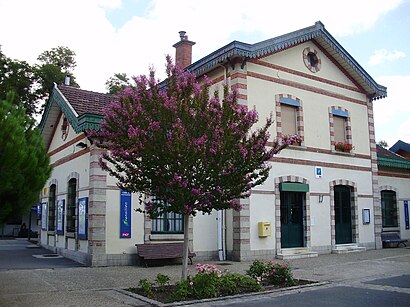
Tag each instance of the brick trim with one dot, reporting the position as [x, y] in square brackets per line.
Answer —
[323, 151]
[387, 174]
[348, 127]
[327, 54]
[305, 53]
[241, 248]
[71, 157]
[305, 87]
[305, 75]
[318, 163]
[97, 208]
[377, 211]
[299, 116]
[64, 146]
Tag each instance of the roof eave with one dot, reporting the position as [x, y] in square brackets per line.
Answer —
[317, 31]
[394, 163]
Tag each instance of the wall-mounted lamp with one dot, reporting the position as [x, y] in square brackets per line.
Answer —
[81, 145]
[320, 198]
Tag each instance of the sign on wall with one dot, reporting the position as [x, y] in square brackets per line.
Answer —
[406, 214]
[366, 216]
[82, 218]
[38, 211]
[44, 216]
[318, 172]
[125, 214]
[60, 217]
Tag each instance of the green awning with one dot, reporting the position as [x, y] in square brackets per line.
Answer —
[293, 187]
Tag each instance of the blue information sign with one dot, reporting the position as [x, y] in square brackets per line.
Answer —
[38, 211]
[406, 213]
[125, 214]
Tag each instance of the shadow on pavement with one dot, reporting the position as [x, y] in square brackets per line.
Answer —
[20, 254]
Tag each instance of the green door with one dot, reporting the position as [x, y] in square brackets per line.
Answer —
[291, 218]
[343, 215]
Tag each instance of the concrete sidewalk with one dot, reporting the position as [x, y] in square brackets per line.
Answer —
[84, 286]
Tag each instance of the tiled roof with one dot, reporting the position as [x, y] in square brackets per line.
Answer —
[388, 158]
[383, 152]
[400, 146]
[86, 101]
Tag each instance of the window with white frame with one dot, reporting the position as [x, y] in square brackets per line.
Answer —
[167, 222]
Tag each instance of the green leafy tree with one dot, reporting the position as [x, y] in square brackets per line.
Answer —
[19, 77]
[117, 83]
[56, 64]
[193, 152]
[383, 143]
[24, 164]
[32, 83]
[60, 56]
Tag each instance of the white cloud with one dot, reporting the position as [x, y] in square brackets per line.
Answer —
[29, 27]
[382, 55]
[392, 114]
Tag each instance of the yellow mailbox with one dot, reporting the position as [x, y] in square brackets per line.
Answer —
[265, 229]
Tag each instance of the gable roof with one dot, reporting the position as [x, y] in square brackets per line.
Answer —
[388, 158]
[83, 109]
[317, 32]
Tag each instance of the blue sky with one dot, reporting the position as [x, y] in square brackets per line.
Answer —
[112, 36]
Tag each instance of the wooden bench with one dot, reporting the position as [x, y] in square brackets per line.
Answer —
[392, 238]
[155, 251]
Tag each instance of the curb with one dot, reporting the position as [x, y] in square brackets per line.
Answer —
[184, 303]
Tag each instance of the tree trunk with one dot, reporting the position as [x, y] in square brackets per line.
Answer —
[186, 248]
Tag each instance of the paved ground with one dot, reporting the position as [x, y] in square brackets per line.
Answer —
[18, 254]
[372, 278]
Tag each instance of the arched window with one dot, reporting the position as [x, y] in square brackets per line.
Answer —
[389, 209]
[71, 204]
[52, 208]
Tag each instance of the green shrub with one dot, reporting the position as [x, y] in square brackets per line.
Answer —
[205, 285]
[162, 281]
[257, 269]
[146, 286]
[234, 283]
[183, 290]
[271, 272]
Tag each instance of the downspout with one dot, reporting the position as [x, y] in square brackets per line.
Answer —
[221, 234]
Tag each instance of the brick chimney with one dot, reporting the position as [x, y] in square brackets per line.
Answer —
[183, 52]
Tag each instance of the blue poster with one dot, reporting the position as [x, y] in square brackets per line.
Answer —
[38, 211]
[82, 218]
[60, 217]
[406, 213]
[125, 214]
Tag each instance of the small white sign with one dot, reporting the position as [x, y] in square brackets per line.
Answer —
[318, 172]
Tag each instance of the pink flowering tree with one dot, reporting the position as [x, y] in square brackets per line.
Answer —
[189, 149]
